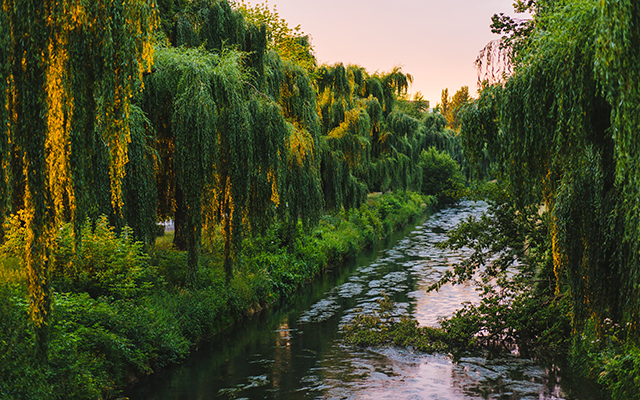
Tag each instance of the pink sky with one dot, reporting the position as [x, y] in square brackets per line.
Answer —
[436, 41]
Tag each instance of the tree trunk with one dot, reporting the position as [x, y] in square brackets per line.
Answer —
[180, 222]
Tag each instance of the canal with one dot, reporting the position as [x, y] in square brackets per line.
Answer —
[295, 351]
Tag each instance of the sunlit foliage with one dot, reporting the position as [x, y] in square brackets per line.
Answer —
[291, 44]
[66, 94]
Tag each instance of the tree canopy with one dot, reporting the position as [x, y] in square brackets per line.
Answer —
[210, 113]
[559, 131]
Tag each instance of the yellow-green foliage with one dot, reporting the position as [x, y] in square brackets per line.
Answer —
[100, 262]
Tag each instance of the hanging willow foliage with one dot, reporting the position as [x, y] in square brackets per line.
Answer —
[346, 136]
[214, 24]
[562, 122]
[82, 59]
[371, 146]
[556, 140]
[139, 186]
[303, 193]
[27, 132]
[230, 146]
[5, 101]
[616, 65]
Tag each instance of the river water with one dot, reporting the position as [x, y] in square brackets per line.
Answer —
[295, 351]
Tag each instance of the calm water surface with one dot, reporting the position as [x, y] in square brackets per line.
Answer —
[296, 352]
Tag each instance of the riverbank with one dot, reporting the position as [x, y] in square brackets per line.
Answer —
[298, 349]
[137, 315]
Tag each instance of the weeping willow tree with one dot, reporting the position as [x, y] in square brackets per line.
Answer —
[302, 190]
[366, 145]
[193, 97]
[345, 127]
[236, 131]
[562, 132]
[196, 102]
[399, 148]
[65, 103]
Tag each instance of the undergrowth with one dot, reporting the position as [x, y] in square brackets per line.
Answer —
[121, 311]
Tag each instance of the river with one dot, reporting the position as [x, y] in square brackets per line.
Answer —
[295, 351]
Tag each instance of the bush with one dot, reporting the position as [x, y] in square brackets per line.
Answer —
[441, 176]
[380, 328]
[21, 376]
[101, 263]
[609, 358]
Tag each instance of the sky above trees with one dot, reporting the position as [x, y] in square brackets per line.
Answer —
[436, 41]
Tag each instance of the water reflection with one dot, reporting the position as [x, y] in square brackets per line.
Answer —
[296, 352]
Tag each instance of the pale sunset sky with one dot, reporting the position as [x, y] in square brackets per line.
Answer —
[436, 41]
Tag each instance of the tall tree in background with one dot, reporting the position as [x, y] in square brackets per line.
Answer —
[450, 107]
[291, 44]
[445, 102]
[459, 100]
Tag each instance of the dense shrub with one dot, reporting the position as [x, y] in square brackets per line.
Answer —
[608, 358]
[441, 176]
[101, 262]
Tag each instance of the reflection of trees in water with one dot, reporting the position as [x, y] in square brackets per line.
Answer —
[282, 355]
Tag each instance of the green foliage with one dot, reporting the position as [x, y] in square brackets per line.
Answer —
[379, 328]
[104, 264]
[255, 156]
[608, 359]
[441, 176]
[290, 43]
[368, 146]
[214, 25]
[99, 262]
[139, 186]
[21, 376]
[618, 34]
[538, 326]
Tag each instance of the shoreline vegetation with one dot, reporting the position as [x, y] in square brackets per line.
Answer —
[558, 254]
[132, 313]
[216, 114]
